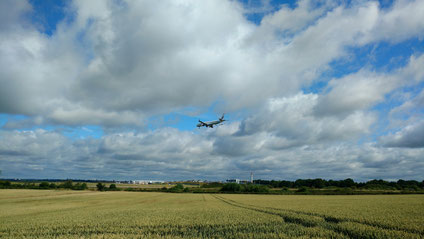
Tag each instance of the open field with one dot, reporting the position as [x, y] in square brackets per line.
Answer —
[90, 214]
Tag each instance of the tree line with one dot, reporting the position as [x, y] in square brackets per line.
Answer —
[346, 183]
[43, 185]
[258, 186]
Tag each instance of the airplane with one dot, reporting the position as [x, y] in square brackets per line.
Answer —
[210, 124]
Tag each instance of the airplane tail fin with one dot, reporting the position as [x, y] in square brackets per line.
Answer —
[222, 117]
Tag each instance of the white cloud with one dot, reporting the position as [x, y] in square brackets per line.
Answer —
[358, 91]
[128, 57]
[363, 89]
[117, 63]
[402, 21]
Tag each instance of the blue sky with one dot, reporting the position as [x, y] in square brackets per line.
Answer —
[114, 89]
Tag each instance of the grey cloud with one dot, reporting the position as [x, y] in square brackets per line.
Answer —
[412, 136]
[293, 123]
[12, 12]
[172, 154]
[23, 123]
[234, 146]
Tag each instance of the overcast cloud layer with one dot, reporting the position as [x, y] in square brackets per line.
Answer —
[118, 65]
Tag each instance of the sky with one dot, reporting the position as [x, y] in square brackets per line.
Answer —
[113, 89]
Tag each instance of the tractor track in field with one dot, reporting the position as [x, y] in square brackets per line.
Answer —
[328, 222]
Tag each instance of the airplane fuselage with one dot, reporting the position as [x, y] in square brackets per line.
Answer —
[210, 124]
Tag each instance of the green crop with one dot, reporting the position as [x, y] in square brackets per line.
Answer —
[88, 214]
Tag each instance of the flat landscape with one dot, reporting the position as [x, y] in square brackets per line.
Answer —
[92, 214]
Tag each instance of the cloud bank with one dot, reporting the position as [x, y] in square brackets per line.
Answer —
[117, 64]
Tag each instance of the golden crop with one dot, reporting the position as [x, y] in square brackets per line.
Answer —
[88, 214]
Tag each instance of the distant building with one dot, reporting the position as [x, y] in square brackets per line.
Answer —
[244, 181]
[144, 182]
[233, 181]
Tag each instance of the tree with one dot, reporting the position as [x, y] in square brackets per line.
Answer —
[100, 187]
[284, 183]
[5, 184]
[231, 187]
[67, 184]
[318, 183]
[44, 185]
[303, 189]
[113, 187]
[177, 188]
[255, 188]
[80, 186]
[348, 182]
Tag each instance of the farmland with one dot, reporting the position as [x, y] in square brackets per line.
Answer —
[92, 214]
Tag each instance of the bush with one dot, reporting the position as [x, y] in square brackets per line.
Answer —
[43, 185]
[113, 187]
[231, 187]
[80, 186]
[177, 188]
[66, 184]
[256, 188]
[212, 185]
[303, 190]
[100, 187]
[5, 184]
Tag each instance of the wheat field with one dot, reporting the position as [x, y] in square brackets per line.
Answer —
[90, 214]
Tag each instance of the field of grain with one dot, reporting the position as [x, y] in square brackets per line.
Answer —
[90, 214]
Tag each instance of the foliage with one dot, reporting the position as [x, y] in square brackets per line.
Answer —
[303, 189]
[79, 186]
[231, 187]
[177, 188]
[212, 185]
[113, 187]
[100, 186]
[346, 183]
[44, 185]
[250, 188]
[67, 184]
[313, 186]
[5, 184]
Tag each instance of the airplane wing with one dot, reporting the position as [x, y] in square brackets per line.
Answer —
[204, 124]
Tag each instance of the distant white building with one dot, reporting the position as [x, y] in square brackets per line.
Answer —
[144, 182]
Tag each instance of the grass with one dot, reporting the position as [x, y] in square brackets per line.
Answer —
[90, 214]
